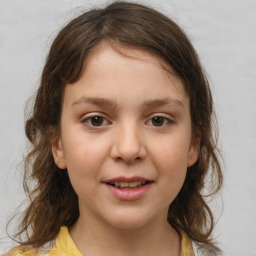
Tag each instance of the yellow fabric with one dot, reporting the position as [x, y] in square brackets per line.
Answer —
[186, 245]
[64, 246]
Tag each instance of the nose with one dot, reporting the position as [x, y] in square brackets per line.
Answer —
[128, 145]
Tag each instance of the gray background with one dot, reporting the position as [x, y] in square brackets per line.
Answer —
[224, 34]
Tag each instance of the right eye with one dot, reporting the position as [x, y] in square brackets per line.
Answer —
[95, 121]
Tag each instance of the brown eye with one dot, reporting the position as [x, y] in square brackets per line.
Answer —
[95, 121]
[158, 120]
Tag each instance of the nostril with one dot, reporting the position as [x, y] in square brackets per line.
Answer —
[128, 148]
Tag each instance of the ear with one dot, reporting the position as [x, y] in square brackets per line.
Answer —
[194, 149]
[57, 148]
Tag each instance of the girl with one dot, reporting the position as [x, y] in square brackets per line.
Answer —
[122, 141]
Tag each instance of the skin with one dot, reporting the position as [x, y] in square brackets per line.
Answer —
[135, 87]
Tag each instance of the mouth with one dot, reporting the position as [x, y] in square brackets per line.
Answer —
[128, 185]
[128, 188]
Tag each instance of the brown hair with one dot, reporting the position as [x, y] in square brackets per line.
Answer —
[52, 200]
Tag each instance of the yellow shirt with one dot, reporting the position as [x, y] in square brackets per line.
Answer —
[64, 246]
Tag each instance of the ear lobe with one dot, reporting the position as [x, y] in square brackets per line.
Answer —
[194, 149]
[57, 149]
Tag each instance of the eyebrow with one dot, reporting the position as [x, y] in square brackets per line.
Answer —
[163, 102]
[104, 102]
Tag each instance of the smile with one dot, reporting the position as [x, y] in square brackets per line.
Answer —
[128, 189]
[125, 185]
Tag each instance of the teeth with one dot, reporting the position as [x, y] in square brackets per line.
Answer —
[117, 184]
[124, 184]
[134, 184]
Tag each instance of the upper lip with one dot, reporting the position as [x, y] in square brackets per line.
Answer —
[127, 179]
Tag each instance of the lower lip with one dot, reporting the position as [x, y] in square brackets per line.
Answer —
[129, 194]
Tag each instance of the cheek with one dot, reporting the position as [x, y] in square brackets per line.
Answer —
[84, 158]
[170, 161]
[173, 153]
[83, 169]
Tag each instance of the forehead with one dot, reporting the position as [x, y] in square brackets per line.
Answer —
[110, 70]
[105, 51]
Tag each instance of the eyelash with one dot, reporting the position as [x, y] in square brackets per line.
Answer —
[88, 120]
[166, 120]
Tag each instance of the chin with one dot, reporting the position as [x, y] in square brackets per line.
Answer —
[129, 221]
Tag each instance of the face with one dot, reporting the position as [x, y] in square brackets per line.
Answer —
[125, 138]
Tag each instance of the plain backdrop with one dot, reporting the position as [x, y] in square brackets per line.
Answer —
[224, 35]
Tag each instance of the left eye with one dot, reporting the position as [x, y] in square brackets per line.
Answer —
[159, 121]
[95, 121]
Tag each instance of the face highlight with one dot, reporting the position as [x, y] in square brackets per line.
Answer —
[126, 138]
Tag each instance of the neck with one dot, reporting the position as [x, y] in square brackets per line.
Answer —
[97, 240]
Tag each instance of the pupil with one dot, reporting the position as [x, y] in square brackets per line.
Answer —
[97, 120]
[158, 121]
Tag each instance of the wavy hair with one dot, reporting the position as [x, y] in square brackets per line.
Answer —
[52, 200]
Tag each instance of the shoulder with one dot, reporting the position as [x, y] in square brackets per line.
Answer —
[19, 251]
[62, 245]
[30, 251]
